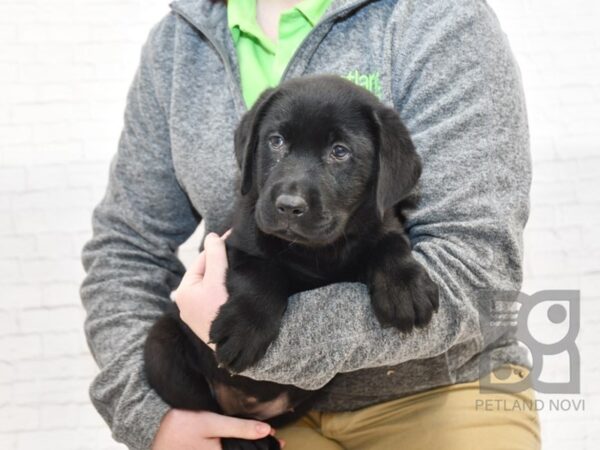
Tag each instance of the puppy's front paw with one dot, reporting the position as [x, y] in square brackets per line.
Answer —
[404, 297]
[268, 443]
[241, 338]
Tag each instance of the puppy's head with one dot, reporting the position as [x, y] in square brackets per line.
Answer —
[314, 150]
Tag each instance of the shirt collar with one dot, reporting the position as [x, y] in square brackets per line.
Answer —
[241, 15]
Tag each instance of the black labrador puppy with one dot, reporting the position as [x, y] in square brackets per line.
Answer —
[326, 170]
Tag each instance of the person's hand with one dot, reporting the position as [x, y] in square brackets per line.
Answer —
[202, 289]
[202, 430]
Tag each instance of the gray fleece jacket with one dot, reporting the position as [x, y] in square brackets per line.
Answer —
[446, 67]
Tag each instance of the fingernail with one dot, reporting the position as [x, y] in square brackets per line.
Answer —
[263, 428]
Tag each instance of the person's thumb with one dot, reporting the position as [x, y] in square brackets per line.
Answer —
[232, 427]
[216, 258]
[195, 271]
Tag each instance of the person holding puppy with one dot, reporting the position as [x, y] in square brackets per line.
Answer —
[447, 69]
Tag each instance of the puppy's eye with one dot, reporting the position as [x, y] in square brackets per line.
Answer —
[276, 141]
[340, 152]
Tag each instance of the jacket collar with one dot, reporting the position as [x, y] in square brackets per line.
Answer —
[210, 18]
[210, 15]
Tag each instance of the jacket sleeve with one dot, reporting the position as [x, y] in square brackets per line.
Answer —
[131, 260]
[458, 89]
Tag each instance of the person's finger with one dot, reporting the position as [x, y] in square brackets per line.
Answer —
[217, 425]
[226, 234]
[216, 257]
[195, 272]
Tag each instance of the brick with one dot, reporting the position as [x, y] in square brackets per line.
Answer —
[88, 174]
[67, 220]
[18, 418]
[16, 155]
[31, 221]
[59, 33]
[76, 439]
[588, 191]
[10, 270]
[53, 53]
[101, 150]
[100, 90]
[65, 368]
[6, 202]
[18, 296]
[8, 441]
[8, 32]
[51, 319]
[55, 72]
[6, 223]
[8, 73]
[59, 416]
[59, 152]
[587, 168]
[64, 391]
[61, 294]
[15, 134]
[7, 371]
[19, 347]
[8, 323]
[16, 53]
[89, 417]
[67, 344]
[55, 132]
[12, 179]
[56, 92]
[46, 177]
[55, 245]
[17, 246]
[52, 112]
[50, 198]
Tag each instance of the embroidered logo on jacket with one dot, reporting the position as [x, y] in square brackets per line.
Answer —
[369, 81]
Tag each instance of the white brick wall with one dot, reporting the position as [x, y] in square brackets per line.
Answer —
[65, 67]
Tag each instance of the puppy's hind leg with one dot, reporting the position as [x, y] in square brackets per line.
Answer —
[168, 357]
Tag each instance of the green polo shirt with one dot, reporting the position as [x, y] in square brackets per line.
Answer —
[261, 60]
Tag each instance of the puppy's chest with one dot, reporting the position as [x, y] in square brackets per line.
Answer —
[313, 271]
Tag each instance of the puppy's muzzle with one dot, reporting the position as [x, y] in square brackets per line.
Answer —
[291, 206]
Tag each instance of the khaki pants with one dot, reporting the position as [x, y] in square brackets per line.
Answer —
[446, 418]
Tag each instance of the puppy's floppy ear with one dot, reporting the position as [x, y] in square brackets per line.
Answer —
[399, 163]
[246, 138]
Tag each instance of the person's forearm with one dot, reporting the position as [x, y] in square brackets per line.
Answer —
[131, 262]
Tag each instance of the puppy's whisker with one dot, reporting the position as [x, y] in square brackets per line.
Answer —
[287, 247]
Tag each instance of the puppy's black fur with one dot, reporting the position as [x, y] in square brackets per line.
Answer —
[326, 171]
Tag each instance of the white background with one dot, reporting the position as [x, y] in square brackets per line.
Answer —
[65, 66]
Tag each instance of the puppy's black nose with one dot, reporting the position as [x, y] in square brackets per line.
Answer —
[291, 205]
